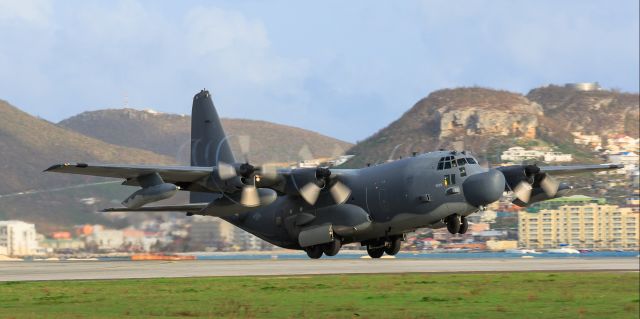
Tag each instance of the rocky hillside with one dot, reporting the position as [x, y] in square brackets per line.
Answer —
[601, 112]
[487, 121]
[466, 118]
[169, 134]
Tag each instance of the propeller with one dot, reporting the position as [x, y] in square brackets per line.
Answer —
[338, 190]
[550, 185]
[249, 196]
[524, 189]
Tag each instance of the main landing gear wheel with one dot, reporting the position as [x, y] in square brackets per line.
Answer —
[314, 252]
[464, 225]
[393, 246]
[453, 223]
[375, 252]
[332, 248]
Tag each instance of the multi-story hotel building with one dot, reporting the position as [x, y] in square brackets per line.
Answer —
[590, 226]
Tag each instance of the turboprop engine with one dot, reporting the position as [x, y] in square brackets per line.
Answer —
[150, 194]
[153, 189]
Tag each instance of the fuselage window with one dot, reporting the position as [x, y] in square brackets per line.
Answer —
[471, 160]
[449, 179]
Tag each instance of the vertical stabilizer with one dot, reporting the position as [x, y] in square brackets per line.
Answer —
[209, 143]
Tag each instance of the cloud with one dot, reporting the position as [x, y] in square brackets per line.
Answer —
[32, 12]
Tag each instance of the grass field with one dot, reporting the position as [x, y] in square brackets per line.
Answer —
[487, 295]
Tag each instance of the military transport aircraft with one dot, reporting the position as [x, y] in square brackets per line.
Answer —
[320, 209]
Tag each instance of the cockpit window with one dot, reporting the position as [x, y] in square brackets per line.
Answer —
[461, 162]
[447, 165]
[440, 165]
[471, 160]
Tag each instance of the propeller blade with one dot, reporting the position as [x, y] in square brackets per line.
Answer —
[268, 171]
[226, 171]
[340, 192]
[550, 185]
[310, 193]
[249, 196]
[245, 144]
[305, 153]
[523, 191]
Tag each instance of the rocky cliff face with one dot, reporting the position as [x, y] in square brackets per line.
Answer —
[485, 121]
[601, 112]
[463, 119]
[479, 111]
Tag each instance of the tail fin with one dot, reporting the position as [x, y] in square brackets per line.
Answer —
[209, 143]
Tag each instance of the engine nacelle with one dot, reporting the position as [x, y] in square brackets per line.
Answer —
[321, 226]
[150, 194]
[538, 195]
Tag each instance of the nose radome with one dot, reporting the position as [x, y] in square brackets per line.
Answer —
[483, 188]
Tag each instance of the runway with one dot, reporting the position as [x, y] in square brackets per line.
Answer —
[74, 270]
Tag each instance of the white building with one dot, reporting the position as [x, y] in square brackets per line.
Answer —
[246, 241]
[622, 143]
[519, 154]
[18, 238]
[593, 141]
[106, 239]
[211, 232]
[557, 157]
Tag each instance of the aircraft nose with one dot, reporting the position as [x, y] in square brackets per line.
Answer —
[484, 188]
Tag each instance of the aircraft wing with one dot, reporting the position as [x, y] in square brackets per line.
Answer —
[187, 208]
[575, 169]
[170, 174]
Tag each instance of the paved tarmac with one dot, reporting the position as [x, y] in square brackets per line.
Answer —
[68, 270]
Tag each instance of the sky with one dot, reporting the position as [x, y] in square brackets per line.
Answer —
[341, 68]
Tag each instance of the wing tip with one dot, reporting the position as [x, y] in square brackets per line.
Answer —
[55, 167]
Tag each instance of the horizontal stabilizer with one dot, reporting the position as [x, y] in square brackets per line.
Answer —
[187, 208]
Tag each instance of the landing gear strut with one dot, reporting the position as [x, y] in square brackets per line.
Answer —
[393, 247]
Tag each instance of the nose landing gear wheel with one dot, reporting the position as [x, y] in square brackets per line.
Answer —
[453, 223]
[393, 246]
[464, 225]
[375, 252]
[314, 252]
[332, 248]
